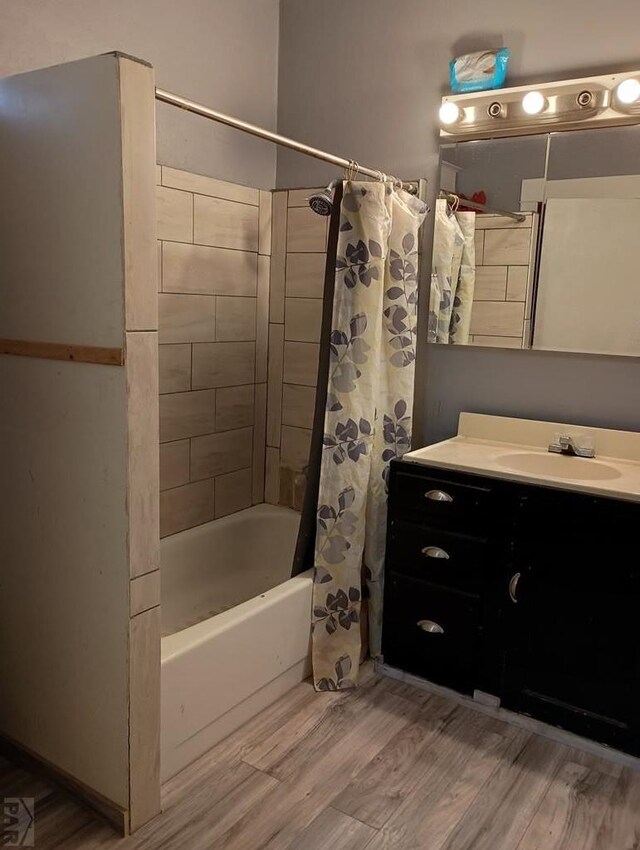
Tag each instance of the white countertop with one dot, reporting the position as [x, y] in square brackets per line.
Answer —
[518, 446]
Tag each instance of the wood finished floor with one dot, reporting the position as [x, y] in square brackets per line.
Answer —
[385, 766]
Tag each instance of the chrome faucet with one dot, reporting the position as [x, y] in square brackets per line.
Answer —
[565, 445]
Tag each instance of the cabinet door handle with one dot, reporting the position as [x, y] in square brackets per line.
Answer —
[513, 587]
[435, 552]
[438, 496]
[431, 627]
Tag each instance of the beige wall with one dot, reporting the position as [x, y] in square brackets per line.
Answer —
[79, 615]
[214, 242]
[505, 257]
[295, 316]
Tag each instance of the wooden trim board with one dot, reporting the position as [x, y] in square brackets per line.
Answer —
[536, 726]
[104, 808]
[63, 351]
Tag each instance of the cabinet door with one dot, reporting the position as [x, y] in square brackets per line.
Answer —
[431, 631]
[573, 648]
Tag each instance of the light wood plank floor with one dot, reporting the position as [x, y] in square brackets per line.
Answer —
[383, 767]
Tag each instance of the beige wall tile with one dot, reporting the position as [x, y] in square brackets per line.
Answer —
[144, 593]
[300, 197]
[143, 474]
[259, 443]
[223, 364]
[138, 138]
[174, 464]
[274, 400]
[301, 363]
[262, 319]
[498, 341]
[187, 318]
[159, 269]
[174, 363]
[209, 186]
[305, 275]
[526, 334]
[264, 240]
[175, 214]
[306, 231]
[479, 243]
[225, 224]
[491, 283]
[507, 247]
[144, 716]
[234, 407]
[233, 492]
[492, 222]
[187, 414]
[278, 257]
[497, 318]
[208, 271]
[517, 283]
[158, 175]
[298, 405]
[186, 506]
[303, 319]
[272, 476]
[294, 452]
[235, 318]
[216, 454]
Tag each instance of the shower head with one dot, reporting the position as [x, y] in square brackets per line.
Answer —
[322, 202]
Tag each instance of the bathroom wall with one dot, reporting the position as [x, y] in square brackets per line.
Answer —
[214, 242]
[223, 53]
[79, 606]
[505, 254]
[384, 68]
[295, 315]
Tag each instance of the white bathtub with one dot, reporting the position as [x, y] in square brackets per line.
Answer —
[236, 627]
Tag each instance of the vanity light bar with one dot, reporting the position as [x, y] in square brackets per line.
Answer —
[605, 100]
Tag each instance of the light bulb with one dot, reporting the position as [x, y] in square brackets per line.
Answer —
[533, 102]
[449, 112]
[628, 91]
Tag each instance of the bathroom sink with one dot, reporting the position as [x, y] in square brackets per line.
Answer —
[559, 466]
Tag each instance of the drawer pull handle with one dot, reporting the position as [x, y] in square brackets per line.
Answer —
[431, 627]
[435, 552]
[513, 588]
[438, 496]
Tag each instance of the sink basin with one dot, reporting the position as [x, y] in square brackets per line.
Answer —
[559, 466]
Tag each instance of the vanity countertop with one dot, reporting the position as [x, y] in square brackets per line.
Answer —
[517, 450]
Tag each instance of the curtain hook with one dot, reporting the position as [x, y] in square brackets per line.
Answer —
[352, 170]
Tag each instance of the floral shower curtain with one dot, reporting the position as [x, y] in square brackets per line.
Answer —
[453, 275]
[367, 419]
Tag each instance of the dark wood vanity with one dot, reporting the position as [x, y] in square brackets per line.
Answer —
[526, 593]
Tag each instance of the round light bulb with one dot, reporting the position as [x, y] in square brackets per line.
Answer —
[449, 112]
[533, 102]
[628, 91]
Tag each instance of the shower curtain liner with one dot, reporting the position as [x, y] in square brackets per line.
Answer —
[363, 416]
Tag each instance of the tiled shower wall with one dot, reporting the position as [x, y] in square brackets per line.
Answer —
[214, 245]
[505, 261]
[295, 315]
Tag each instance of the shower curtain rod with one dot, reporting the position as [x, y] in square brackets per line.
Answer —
[261, 133]
[482, 207]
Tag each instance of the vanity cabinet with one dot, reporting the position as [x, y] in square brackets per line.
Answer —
[523, 592]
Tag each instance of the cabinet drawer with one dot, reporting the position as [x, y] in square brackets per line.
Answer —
[441, 503]
[431, 632]
[437, 556]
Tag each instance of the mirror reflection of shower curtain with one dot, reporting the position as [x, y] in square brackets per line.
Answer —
[366, 380]
[453, 275]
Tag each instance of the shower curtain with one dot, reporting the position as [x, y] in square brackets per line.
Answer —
[367, 416]
[453, 275]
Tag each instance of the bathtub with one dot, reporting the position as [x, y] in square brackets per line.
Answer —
[236, 627]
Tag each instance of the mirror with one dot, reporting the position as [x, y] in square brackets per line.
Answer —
[534, 243]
